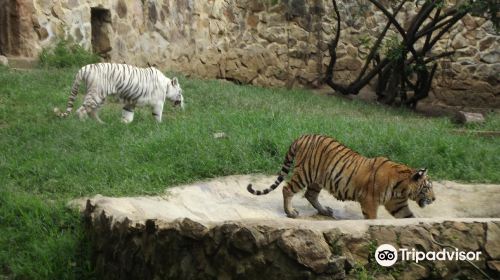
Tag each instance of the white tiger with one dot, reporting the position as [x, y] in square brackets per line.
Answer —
[133, 86]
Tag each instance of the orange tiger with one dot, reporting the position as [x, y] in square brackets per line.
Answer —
[322, 162]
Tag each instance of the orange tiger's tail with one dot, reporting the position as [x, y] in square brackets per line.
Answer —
[71, 98]
[285, 169]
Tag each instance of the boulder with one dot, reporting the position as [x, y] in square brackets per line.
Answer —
[307, 247]
[492, 245]
[494, 265]
[414, 272]
[4, 61]
[469, 117]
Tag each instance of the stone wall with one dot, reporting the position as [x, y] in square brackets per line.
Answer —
[262, 42]
[185, 249]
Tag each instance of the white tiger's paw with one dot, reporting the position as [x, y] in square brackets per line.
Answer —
[82, 113]
[125, 121]
[292, 214]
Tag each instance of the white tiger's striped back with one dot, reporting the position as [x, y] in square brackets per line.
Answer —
[134, 86]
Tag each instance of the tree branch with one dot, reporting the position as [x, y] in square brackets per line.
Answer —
[438, 56]
[430, 27]
[332, 49]
[378, 42]
[446, 28]
[433, 22]
[396, 24]
[421, 16]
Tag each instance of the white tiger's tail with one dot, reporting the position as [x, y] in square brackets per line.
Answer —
[71, 98]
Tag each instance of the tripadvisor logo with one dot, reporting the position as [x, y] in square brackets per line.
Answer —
[387, 255]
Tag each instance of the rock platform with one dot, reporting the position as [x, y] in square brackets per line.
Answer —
[216, 229]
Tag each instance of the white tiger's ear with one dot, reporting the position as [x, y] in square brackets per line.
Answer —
[419, 174]
[175, 82]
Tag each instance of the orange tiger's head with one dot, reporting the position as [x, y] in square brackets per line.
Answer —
[421, 187]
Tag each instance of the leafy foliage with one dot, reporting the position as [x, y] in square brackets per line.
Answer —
[66, 54]
[489, 9]
[394, 48]
[406, 66]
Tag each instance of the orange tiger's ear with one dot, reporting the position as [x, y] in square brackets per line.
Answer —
[419, 174]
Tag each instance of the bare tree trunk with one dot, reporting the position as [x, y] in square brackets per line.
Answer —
[394, 73]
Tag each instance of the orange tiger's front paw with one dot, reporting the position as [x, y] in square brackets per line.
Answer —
[292, 214]
[327, 211]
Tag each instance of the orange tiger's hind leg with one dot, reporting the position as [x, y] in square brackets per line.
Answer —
[287, 201]
[399, 209]
[369, 209]
[289, 190]
[312, 194]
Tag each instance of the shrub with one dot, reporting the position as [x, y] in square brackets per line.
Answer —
[66, 54]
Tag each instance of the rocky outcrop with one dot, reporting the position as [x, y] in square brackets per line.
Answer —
[268, 43]
[185, 249]
[17, 29]
[216, 229]
[4, 61]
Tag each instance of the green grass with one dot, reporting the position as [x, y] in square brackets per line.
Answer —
[66, 54]
[46, 161]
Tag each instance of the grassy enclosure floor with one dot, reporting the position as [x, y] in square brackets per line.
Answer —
[46, 161]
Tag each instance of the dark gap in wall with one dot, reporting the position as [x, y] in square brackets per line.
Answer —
[101, 24]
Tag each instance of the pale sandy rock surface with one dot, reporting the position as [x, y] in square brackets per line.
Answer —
[226, 199]
[216, 229]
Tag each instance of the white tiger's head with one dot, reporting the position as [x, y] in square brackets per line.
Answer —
[174, 93]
